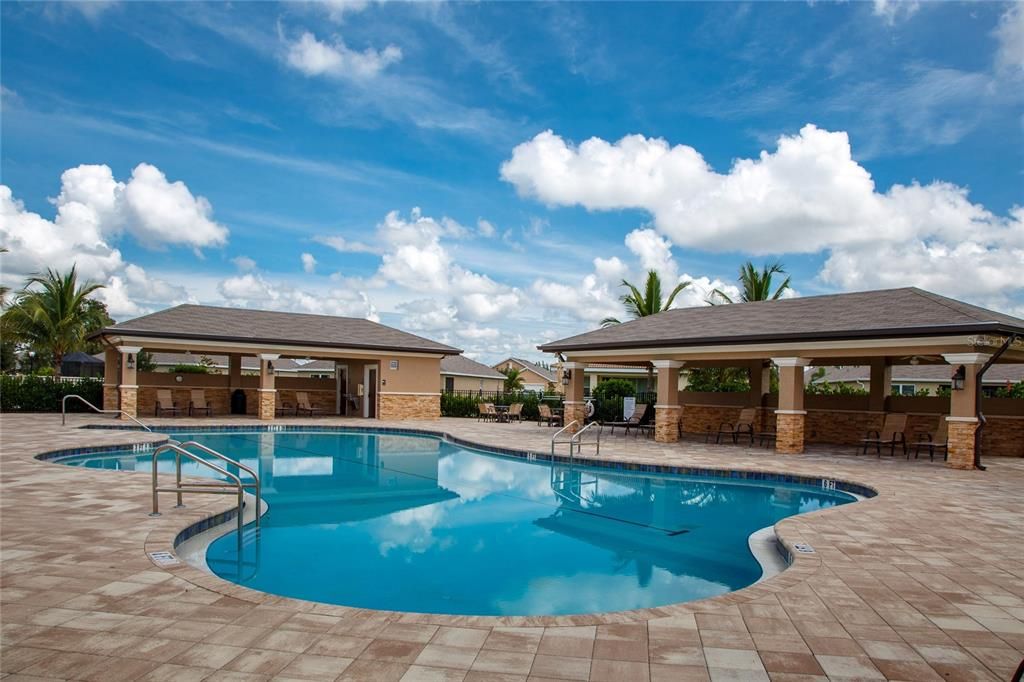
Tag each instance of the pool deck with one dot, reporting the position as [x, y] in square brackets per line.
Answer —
[923, 582]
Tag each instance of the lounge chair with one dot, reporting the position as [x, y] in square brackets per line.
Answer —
[281, 409]
[546, 416]
[646, 423]
[199, 403]
[302, 405]
[638, 413]
[515, 412]
[165, 403]
[893, 433]
[481, 412]
[743, 426]
[938, 440]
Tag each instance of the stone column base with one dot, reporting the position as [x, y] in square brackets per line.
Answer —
[399, 407]
[110, 397]
[789, 429]
[129, 401]
[666, 423]
[961, 444]
[575, 411]
[267, 408]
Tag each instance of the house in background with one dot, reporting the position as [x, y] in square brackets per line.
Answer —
[535, 377]
[459, 373]
[634, 374]
[910, 379]
[219, 364]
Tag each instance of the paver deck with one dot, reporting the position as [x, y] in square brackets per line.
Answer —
[924, 581]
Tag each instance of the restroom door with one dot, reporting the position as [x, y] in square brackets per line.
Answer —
[341, 395]
[370, 393]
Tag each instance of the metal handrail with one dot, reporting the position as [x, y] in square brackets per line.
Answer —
[578, 438]
[64, 411]
[238, 487]
[554, 438]
[230, 462]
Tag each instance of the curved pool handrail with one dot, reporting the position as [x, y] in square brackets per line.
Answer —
[236, 485]
[230, 462]
[64, 411]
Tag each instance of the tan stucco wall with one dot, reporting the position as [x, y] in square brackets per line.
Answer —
[473, 383]
[414, 375]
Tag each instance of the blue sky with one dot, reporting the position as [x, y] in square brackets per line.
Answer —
[428, 164]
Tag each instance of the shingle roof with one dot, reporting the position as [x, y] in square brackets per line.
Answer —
[885, 313]
[532, 366]
[996, 374]
[79, 356]
[272, 327]
[461, 365]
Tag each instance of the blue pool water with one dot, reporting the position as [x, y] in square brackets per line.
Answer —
[412, 523]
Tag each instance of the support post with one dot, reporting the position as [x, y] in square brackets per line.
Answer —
[128, 386]
[881, 384]
[760, 384]
[575, 405]
[234, 371]
[791, 417]
[667, 410]
[267, 408]
[111, 378]
[963, 416]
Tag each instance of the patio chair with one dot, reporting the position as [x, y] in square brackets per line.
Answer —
[281, 408]
[199, 403]
[546, 416]
[302, 405]
[639, 410]
[893, 433]
[645, 424]
[481, 412]
[937, 440]
[165, 403]
[743, 426]
[515, 412]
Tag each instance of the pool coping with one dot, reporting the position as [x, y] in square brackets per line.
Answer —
[801, 559]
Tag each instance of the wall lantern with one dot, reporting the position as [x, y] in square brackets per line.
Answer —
[959, 377]
[566, 376]
[270, 367]
[131, 361]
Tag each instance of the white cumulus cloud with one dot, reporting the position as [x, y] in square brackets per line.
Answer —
[313, 57]
[308, 263]
[807, 196]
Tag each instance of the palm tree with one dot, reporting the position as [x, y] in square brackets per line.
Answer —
[647, 303]
[757, 286]
[56, 317]
[513, 379]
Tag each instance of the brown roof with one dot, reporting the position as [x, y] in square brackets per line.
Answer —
[546, 374]
[209, 323]
[996, 374]
[463, 366]
[868, 314]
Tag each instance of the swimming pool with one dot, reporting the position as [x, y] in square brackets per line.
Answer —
[415, 523]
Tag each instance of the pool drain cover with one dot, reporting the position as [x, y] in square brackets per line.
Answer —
[163, 558]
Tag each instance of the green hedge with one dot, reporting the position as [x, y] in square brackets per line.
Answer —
[463, 405]
[43, 394]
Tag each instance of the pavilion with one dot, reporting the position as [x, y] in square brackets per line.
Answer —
[875, 328]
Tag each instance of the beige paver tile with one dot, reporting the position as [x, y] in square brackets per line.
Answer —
[560, 667]
[441, 656]
[313, 667]
[419, 673]
[261, 661]
[208, 655]
[342, 646]
[514, 639]
[472, 638]
[856, 667]
[389, 650]
[497, 661]
[602, 670]
[295, 641]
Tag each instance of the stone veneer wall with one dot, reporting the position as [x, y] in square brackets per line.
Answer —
[394, 406]
[220, 400]
[1002, 436]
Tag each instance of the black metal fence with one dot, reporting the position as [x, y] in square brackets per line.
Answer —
[464, 403]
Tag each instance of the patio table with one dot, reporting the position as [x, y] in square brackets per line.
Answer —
[502, 412]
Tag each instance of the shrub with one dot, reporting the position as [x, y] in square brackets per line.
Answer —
[43, 394]
[834, 388]
[1011, 390]
[465, 405]
[190, 369]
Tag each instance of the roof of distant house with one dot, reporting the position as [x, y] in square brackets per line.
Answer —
[888, 313]
[460, 365]
[547, 374]
[996, 374]
[79, 356]
[272, 327]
